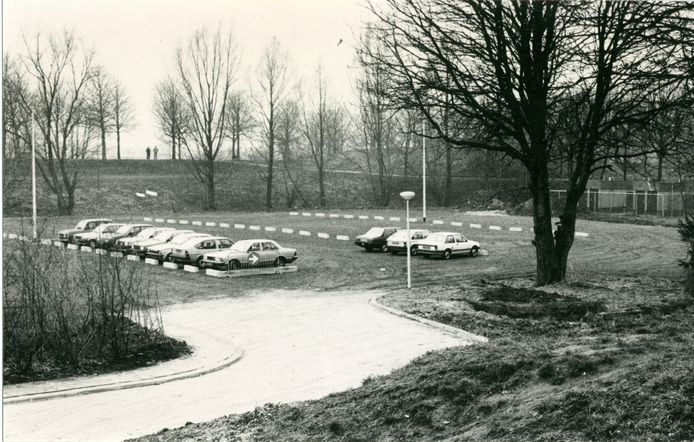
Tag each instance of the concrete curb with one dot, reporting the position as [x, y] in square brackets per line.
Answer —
[449, 330]
[123, 385]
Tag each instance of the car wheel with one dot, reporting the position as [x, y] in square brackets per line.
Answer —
[447, 254]
[92, 244]
[413, 251]
[367, 248]
[233, 265]
[384, 248]
[199, 263]
[279, 261]
[473, 251]
[393, 252]
[168, 258]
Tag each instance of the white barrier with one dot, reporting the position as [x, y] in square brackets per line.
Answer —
[116, 255]
[475, 226]
[293, 213]
[394, 218]
[342, 237]
[306, 214]
[270, 229]
[239, 226]
[86, 249]
[100, 251]
[581, 234]
[263, 271]
[515, 229]
[334, 215]
[46, 242]
[413, 220]
[224, 225]
[483, 252]
[217, 273]
[151, 193]
[197, 223]
[437, 221]
[147, 218]
[12, 235]
[254, 227]
[323, 235]
[190, 269]
[137, 258]
[494, 227]
[363, 217]
[210, 224]
[304, 233]
[4, 235]
[456, 223]
[159, 220]
[379, 218]
[73, 247]
[58, 244]
[171, 265]
[182, 221]
[348, 216]
[150, 261]
[320, 215]
[285, 230]
[171, 221]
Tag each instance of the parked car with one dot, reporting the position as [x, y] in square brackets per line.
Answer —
[86, 225]
[125, 244]
[124, 231]
[192, 251]
[447, 244]
[100, 233]
[397, 242]
[165, 236]
[376, 238]
[250, 253]
[162, 252]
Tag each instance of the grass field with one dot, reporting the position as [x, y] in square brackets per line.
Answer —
[607, 355]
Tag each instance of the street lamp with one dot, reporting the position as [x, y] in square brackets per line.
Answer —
[407, 196]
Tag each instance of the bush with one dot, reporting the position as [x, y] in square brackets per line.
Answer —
[63, 308]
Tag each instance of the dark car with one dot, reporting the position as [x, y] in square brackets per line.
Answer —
[376, 238]
[125, 231]
[86, 225]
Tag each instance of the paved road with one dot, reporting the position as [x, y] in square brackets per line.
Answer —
[297, 346]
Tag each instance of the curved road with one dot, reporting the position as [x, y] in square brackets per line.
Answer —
[298, 346]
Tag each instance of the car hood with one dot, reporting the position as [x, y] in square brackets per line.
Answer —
[366, 238]
[160, 247]
[69, 231]
[150, 242]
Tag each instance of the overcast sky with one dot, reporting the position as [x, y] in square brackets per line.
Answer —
[135, 40]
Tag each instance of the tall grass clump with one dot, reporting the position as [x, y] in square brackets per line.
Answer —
[65, 309]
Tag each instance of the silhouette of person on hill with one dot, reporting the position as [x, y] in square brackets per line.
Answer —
[148, 152]
[156, 150]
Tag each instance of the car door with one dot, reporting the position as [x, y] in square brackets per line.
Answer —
[270, 251]
[449, 243]
[462, 244]
[255, 256]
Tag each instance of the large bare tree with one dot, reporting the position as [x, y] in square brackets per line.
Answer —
[61, 70]
[323, 128]
[171, 114]
[206, 68]
[16, 131]
[271, 90]
[240, 123]
[101, 105]
[535, 75]
[123, 113]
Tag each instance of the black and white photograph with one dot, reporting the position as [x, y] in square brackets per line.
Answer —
[347, 220]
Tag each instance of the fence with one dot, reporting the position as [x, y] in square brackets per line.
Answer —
[630, 201]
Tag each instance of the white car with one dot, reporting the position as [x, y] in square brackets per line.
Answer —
[397, 242]
[162, 252]
[447, 244]
[101, 233]
[161, 238]
[125, 244]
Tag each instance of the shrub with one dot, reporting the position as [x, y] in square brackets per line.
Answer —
[63, 308]
[686, 230]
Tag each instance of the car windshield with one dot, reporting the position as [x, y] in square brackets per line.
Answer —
[101, 228]
[124, 229]
[374, 232]
[184, 238]
[164, 236]
[240, 246]
[81, 225]
[437, 237]
[146, 233]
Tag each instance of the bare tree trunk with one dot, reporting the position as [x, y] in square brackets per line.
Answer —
[211, 205]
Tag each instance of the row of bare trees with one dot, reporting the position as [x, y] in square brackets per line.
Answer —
[74, 103]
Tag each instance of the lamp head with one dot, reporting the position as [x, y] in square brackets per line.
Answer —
[407, 196]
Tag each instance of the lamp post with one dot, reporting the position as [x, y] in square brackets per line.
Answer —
[407, 196]
[33, 176]
[424, 172]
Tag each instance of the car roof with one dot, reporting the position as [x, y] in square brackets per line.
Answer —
[90, 220]
[206, 238]
[448, 233]
[248, 241]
